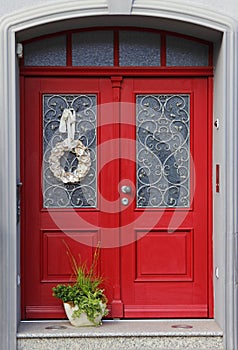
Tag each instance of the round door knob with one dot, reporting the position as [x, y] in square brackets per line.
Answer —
[126, 189]
[124, 201]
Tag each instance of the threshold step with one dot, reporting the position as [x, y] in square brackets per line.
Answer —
[121, 334]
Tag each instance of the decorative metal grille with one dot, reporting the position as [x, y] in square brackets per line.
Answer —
[163, 150]
[57, 194]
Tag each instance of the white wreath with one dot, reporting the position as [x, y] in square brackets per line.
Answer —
[82, 155]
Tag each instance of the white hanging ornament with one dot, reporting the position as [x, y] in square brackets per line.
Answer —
[67, 124]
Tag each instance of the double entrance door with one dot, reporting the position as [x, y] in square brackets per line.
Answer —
[121, 162]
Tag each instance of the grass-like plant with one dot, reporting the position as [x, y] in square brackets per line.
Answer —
[85, 292]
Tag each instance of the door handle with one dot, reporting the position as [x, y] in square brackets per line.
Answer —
[126, 189]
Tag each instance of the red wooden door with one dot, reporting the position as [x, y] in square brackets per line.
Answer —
[165, 269]
[148, 135]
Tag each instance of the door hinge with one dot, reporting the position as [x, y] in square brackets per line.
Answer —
[19, 201]
[217, 124]
[18, 280]
[19, 50]
[217, 178]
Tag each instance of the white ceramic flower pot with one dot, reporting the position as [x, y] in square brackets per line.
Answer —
[83, 320]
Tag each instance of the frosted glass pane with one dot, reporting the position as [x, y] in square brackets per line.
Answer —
[79, 193]
[93, 49]
[183, 52]
[163, 151]
[139, 48]
[46, 52]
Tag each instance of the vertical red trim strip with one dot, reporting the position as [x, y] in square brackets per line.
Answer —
[117, 308]
[69, 50]
[210, 199]
[163, 50]
[116, 48]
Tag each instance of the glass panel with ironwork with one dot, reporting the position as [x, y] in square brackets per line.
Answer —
[46, 52]
[183, 52]
[163, 151]
[139, 48]
[93, 48]
[69, 168]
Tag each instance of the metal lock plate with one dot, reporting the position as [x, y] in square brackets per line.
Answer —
[124, 201]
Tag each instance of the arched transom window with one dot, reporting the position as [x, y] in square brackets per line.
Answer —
[121, 47]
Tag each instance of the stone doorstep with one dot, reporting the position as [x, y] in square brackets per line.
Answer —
[121, 334]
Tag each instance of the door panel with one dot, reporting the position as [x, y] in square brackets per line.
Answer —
[164, 271]
[154, 248]
[57, 212]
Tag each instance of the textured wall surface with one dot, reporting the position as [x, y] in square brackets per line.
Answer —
[229, 7]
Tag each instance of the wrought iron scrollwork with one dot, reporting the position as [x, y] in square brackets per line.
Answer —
[55, 193]
[163, 150]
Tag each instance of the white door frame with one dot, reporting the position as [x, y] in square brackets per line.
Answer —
[224, 143]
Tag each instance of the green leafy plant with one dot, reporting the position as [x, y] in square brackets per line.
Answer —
[85, 292]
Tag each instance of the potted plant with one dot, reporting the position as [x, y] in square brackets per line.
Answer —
[84, 301]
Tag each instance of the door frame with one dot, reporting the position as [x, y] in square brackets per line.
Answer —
[225, 149]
